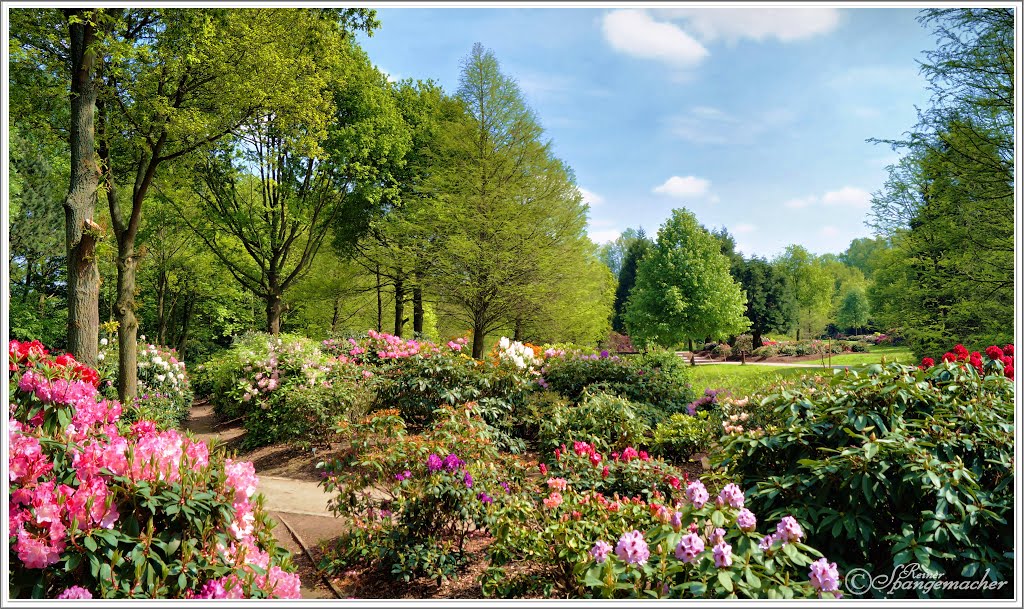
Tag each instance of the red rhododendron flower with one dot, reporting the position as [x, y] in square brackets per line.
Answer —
[976, 360]
[927, 363]
[948, 357]
[994, 353]
[1008, 371]
[961, 352]
[1008, 349]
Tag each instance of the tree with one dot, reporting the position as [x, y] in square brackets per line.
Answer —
[854, 311]
[613, 253]
[510, 209]
[812, 288]
[770, 303]
[635, 252]
[683, 288]
[863, 254]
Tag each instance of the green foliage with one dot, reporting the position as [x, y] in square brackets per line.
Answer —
[632, 254]
[721, 350]
[409, 518]
[681, 436]
[891, 466]
[609, 422]
[683, 288]
[658, 379]
[812, 287]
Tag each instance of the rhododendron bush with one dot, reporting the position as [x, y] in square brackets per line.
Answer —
[150, 513]
[164, 390]
[895, 465]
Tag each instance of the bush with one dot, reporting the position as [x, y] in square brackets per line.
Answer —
[620, 343]
[609, 422]
[897, 465]
[789, 349]
[413, 500]
[681, 436]
[859, 346]
[91, 517]
[722, 351]
[658, 379]
[766, 351]
[744, 343]
[164, 388]
[559, 526]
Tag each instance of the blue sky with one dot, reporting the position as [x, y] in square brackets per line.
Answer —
[753, 118]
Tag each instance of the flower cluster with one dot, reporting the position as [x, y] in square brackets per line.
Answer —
[73, 474]
[708, 401]
[523, 356]
[996, 358]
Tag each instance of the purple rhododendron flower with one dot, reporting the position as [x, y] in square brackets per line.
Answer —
[723, 555]
[689, 548]
[745, 520]
[632, 549]
[600, 551]
[824, 576]
[434, 462]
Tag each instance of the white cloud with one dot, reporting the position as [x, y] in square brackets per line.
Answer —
[589, 197]
[636, 33]
[683, 187]
[801, 202]
[829, 231]
[734, 24]
[743, 229]
[848, 196]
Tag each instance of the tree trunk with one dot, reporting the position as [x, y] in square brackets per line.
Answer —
[417, 305]
[380, 303]
[334, 317]
[80, 204]
[161, 318]
[478, 340]
[127, 323]
[690, 341]
[798, 334]
[517, 332]
[758, 341]
[275, 306]
[186, 319]
[399, 304]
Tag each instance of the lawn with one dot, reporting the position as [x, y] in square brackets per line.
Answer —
[742, 380]
[874, 356]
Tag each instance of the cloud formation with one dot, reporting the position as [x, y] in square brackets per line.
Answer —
[758, 24]
[684, 187]
[589, 197]
[847, 196]
[634, 32]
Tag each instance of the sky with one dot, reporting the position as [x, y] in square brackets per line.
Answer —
[754, 119]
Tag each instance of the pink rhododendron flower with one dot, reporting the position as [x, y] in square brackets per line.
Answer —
[600, 551]
[553, 500]
[824, 576]
[557, 484]
[632, 548]
[697, 494]
[788, 530]
[75, 592]
[689, 548]
[723, 554]
[732, 495]
[745, 520]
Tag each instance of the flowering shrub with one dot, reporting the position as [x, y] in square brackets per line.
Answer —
[94, 513]
[722, 350]
[629, 473]
[284, 388]
[584, 542]
[516, 353]
[896, 465]
[609, 422]
[413, 499]
[620, 343]
[164, 388]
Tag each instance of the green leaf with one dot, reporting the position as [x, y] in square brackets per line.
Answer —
[725, 579]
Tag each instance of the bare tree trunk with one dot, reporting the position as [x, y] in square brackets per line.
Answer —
[478, 338]
[417, 305]
[517, 333]
[334, 318]
[128, 324]
[275, 306]
[80, 204]
[399, 304]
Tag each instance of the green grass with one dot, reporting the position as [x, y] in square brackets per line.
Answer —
[742, 381]
[874, 356]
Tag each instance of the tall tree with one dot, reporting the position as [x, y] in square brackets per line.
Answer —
[511, 209]
[770, 303]
[613, 253]
[683, 288]
[273, 192]
[812, 289]
[635, 252]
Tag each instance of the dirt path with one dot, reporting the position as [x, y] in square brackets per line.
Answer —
[293, 499]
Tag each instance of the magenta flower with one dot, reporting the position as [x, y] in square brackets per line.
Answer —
[632, 549]
[745, 520]
[732, 495]
[689, 548]
[723, 555]
[676, 521]
[824, 576]
[434, 463]
[697, 494]
[468, 480]
[75, 592]
[600, 551]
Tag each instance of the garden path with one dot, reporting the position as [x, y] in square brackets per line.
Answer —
[703, 361]
[296, 504]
